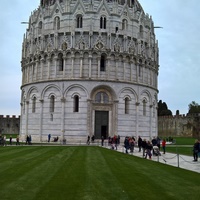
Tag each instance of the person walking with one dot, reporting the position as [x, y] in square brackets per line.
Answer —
[195, 150]
[126, 144]
[164, 146]
[144, 145]
[149, 148]
[88, 140]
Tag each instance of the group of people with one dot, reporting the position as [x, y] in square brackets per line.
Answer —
[147, 147]
[129, 143]
[4, 143]
[28, 139]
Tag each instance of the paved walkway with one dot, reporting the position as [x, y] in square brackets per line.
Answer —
[181, 161]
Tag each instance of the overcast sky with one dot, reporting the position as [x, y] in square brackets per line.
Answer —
[179, 45]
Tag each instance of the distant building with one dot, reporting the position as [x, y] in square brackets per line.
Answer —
[9, 124]
[89, 68]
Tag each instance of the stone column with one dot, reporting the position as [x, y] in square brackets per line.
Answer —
[90, 65]
[150, 122]
[98, 69]
[55, 67]
[124, 68]
[63, 100]
[81, 65]
[72, 69]
[116, 67]
[36, 68]
[137, 119]
[115, 118]
[42, 67]
[41, 117]
[64, 65]
[49, 65]
[27, 110]
[108, 67]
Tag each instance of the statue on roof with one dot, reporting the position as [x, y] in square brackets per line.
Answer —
[44, 3]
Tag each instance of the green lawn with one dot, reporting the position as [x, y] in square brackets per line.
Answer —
[90, 173]
[183, 145]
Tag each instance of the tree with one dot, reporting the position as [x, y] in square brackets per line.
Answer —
[194, 108]
[163, 109]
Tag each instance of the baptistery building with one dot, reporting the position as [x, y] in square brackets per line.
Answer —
[89, 67]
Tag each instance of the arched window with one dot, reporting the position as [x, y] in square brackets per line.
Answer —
[124, 24]
[103, 22]
[56, 23]
[101, 97]
[144, 107]
[40, 28]
[60, 62]
[79, 21]
[103, 63]
[33, 104]
[76, 103]
[127, 105]
[52, 104]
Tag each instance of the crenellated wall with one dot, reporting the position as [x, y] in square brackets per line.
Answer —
[9, 124]
[179, 125]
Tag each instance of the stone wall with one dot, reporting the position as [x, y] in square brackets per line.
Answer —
[9, 124]
[179, 125]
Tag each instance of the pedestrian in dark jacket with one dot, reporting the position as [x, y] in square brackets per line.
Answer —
[126, 144]
[139, 143]
[195, 150]
[144, 144]
[149, 148]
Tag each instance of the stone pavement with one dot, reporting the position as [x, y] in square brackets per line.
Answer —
[181, 161]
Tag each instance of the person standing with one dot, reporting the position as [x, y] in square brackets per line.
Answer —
[17, 140]
[139, 143]
[149, 148]
[126, 144]
[164, 146]
[195, 150]
[49, 137]
[10, 139]
[88, 140]
[144, 145]
[102, 140]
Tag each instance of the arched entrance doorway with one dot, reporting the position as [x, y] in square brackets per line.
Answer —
[103, 112]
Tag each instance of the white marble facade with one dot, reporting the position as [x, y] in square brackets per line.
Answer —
[89, 68]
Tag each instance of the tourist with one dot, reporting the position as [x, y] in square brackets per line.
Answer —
[154, 141]
[195, 150]
[17, 140]
[144, 145]
[4, 140]
[88, 140]
[49, 137]
[139, 143]
[164, 146]
[10, 139]
[126, 144]
[149, 148]
[131, 144]
[102, 140]
[93, 139]
[158, 143]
